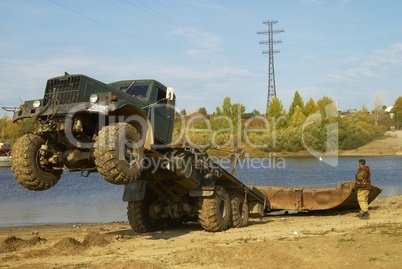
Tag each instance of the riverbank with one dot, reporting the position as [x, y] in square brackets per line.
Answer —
[330, 240]
[390, 145]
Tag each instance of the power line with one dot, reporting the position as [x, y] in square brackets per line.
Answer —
[168, 20]
[158, 13]
[185, 17]
[135, 15]
[214, 21]
[114, 29]
[238, 13]
[192, 32]
[270, 42]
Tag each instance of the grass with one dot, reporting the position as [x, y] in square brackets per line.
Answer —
[390, 228]
[350, 239]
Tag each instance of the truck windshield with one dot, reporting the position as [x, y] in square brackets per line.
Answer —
[139, 91]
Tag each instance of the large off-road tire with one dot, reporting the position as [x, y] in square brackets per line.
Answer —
[142, 216]
[214, 212]
[119, 153]
[25, 164]
[240, 209]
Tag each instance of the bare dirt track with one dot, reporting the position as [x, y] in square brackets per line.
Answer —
[330, 240]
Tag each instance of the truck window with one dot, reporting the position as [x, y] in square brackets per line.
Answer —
[139, 91]
[161, 98]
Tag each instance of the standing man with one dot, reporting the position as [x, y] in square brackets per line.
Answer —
[363, 186]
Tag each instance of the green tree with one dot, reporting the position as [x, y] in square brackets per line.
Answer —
[203, 111]
[275, 108]
[311, 107]
[314, 137]
[12, 131]
[230, 110]
[298, 117]
[357, 130]
[276, 113]
[322, 104]
[397, 110]
[249, 115]
[27, 126]
[290, 138]
[237, 112]
[297, 101]
[227, 107]
[3, 124]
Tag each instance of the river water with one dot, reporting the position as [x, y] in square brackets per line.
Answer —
[91, 200]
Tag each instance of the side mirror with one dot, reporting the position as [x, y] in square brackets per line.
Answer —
[169, 93]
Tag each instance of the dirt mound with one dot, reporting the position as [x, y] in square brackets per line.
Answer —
[95, 239]
[13, 243]
[70, 244]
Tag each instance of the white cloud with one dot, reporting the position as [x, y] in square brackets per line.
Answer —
[378, 64]
[203, 43]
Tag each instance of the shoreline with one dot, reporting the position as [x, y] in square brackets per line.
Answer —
[98, 224]
[305, 154]
[391, 145]
[311, 240]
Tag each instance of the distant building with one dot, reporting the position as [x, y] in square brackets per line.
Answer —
[388, 109]
[350, 111]
[379, 109]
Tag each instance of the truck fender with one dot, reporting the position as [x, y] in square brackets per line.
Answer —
[149, 138]
[134, 191]
[140, 121]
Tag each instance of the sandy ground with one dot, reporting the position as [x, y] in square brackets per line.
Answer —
[391, 145]
[332, 240]
[329, 240]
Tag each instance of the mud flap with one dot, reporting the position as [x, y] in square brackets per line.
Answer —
[256, 209]
[206, 187]
[134, 191]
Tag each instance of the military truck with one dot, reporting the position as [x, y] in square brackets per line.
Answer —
[123, 130]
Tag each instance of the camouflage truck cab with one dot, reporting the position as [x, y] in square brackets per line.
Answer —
[87, 125]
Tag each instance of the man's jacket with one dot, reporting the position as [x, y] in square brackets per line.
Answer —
[363, 180]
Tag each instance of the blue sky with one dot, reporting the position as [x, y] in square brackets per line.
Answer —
[349, 50]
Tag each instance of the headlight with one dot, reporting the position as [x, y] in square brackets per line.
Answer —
[93, 98]
[36, 103]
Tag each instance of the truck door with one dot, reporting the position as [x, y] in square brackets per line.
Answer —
[163, 118]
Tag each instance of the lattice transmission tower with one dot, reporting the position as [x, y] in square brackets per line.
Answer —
[270, 42]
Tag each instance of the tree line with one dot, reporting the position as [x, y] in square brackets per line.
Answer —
[312, 125]
[10, 132]
[276, 130]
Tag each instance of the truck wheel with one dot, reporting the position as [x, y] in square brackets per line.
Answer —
[240, 210]
[119, 153]
[26, 166]
[142, 216]
[214, 212]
